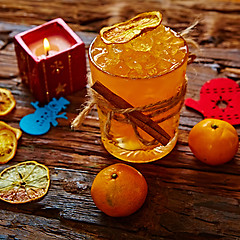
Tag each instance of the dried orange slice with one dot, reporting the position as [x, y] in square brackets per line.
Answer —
[17, 131]
[24, 182]
[126, 31]
[7, 101]
[8, 145]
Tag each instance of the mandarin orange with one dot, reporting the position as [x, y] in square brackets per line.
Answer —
[119, 190]
[213, 141]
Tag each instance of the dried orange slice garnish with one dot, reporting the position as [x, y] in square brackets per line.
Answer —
[17, 131]
[8, 145]
[7, 101]
[24, 182]
[126, 31]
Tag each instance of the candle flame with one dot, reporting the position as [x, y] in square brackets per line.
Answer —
[46, 46]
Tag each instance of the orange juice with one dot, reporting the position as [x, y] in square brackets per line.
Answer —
[149, 70]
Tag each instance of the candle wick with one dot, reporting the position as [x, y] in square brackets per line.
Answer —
[46, 46]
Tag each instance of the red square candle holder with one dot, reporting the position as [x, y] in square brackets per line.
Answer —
[58, 71]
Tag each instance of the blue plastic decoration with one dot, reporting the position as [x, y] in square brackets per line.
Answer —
[40, 121]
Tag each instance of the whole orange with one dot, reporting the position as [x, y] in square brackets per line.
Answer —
[213, 141]
[119, 190]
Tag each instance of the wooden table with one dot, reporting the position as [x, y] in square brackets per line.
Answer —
[186, 199]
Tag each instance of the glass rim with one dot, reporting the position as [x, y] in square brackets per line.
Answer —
[140, 78]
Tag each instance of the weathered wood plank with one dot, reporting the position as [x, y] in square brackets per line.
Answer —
[218, 20]
[186, 199]
[170, 209]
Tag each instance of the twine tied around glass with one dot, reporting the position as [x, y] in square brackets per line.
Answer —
[125, 115]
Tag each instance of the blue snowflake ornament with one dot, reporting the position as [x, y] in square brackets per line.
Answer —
[40, 121]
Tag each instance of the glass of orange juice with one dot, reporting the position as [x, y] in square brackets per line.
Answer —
[144, 63]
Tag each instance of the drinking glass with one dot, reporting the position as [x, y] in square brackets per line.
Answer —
[149, 73]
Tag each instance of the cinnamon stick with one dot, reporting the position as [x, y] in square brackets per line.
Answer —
[137, 117]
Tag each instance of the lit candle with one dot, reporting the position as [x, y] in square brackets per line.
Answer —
[53, 67]
[49, 46]
[46, 46]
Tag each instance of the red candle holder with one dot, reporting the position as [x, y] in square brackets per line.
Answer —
[57, 72]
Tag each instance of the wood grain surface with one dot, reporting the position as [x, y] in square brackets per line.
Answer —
[186, 199]
[218, 19]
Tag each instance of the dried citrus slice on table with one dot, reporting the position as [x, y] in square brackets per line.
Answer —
[126, 31]
[7, 101]
[8, 145]
[17, 131]
[24, 182]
